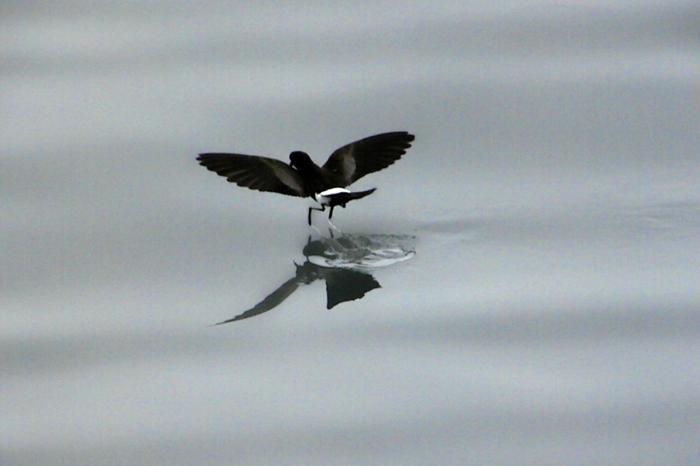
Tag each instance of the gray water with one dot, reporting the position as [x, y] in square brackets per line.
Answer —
[551, 313]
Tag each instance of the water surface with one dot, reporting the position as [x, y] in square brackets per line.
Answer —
[549, 316]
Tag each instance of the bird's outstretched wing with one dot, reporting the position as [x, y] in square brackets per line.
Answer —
[273, 300]
[357, 159]
[259, 173]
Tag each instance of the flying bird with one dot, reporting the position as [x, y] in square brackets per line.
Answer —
[303, 178]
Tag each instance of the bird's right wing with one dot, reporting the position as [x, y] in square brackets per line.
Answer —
[253, 172]
[357, 159]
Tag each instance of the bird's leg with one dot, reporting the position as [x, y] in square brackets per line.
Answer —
[323, 208]
[331, 223]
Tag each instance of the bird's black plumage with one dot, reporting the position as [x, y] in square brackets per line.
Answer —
[302, 177]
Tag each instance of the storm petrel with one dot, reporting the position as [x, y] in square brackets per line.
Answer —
[303, 178]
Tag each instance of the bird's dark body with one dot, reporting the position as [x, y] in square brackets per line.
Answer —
[303, 178]
[315, 178]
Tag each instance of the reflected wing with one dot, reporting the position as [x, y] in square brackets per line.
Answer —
[347, 285]
[260, 173]
[368, 155]
[272, 301]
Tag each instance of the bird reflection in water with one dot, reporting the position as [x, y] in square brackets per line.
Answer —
[344, 263]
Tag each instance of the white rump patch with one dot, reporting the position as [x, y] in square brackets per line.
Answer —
[324, 197]
[330, 192]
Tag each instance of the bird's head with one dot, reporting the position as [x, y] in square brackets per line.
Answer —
[299, 159]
